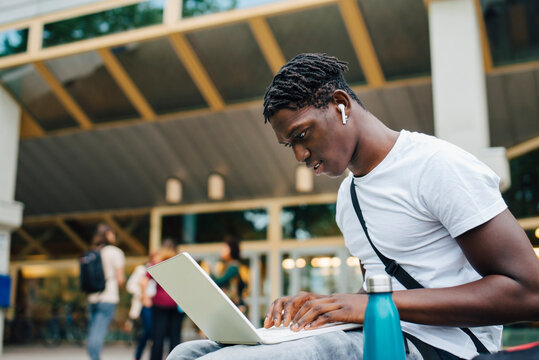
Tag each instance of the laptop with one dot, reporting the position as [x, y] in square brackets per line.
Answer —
[213, 312]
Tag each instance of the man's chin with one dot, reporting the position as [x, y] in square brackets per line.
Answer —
[334, 174]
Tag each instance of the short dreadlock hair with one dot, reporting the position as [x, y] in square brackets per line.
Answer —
[306, 80]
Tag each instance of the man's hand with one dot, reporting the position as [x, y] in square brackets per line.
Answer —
[310, 311]
[283, 309]
[328, 309]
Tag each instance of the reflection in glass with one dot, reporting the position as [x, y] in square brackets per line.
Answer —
[512, 30]
[522, 197]
[213, 227]
[320, 274]
[103, 23]
[192, 8]
[307, 221]
[13, 42]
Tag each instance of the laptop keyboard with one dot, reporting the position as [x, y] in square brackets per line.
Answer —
[276, 333]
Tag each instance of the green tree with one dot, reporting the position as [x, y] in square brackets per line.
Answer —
[201, 7]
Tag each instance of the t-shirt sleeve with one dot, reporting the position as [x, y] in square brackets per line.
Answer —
[460, 191]
[342, 196]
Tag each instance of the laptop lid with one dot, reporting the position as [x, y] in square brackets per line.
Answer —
[203, 301]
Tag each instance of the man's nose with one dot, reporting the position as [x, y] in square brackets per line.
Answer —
[301, 152]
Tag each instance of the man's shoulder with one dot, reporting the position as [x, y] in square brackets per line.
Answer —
[345, 184]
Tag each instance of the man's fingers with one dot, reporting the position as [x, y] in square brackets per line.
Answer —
[293, 305]
[313, 311]
[282, 310]
[268, 321]
[323, 319]
[274, 314]
[307, 305]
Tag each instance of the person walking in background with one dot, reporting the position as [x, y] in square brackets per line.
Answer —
[166, 318]
[138, 310]
[227, 275]
[102, 305]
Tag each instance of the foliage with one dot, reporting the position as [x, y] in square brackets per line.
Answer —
[102, 23]
[13, 42]
[202, 7]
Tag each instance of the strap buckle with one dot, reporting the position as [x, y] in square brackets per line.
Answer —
[392, 267]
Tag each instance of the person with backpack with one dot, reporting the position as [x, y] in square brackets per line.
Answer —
[102, 304]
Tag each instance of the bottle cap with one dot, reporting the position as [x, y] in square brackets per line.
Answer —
[379, 283]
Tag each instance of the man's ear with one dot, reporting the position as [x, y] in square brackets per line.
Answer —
[342, 103]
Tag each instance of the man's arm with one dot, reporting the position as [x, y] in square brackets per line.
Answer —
[500, 251]
[508, 292]
[145, 299]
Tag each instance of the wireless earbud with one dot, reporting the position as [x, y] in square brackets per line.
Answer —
[344, 116]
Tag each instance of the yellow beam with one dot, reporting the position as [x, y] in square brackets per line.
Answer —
[523, 148]
[361, 40]
[487, 56]
[125, 236]
[172, 12]
[71, 234]
[267, 43]
[29, 127]
[83, 216]
[35, 36]
[194, 67]
[126, 84]
[32, 242]
[533, 65]
[506, 69]
[63, 96]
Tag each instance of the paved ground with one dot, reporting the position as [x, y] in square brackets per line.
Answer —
[66, 352]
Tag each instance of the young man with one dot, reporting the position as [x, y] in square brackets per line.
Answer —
[429, 205]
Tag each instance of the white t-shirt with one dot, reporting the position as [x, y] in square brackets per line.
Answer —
[112, 258]
[415, 202]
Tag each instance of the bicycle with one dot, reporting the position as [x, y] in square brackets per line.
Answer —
[72, 328]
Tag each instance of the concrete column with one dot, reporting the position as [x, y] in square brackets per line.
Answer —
[275, 237]
[10, 211]
[458, 82]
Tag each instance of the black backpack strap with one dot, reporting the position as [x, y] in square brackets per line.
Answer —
[394, 269]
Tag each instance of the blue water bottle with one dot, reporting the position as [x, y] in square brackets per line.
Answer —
[382, 329]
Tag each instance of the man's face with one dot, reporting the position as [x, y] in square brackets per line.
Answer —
[316, 137]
